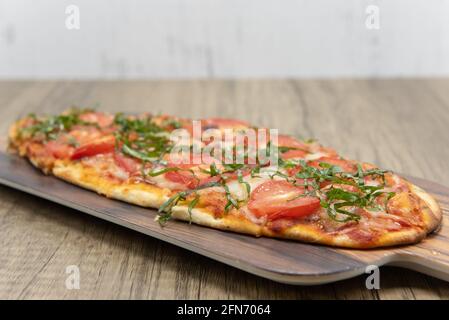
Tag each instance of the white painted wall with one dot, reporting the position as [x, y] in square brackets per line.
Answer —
[223, 38]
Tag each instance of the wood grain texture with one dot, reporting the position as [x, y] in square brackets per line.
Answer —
[397, 124]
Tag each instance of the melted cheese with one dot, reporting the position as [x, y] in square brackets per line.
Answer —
[104, 163]
[163, 182]
[238, 190]
[316, 155]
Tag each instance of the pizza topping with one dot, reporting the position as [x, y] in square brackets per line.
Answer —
[280, 199]
[318, 184]
[316, 155]
[48, 128]
[142, 138]
[58, 149]
[106, 166]
[99, 146]
[218, 177]
[222, 123]
[294, 153]
[241, 187]
[184, 178]
[405, 205]
[291, 142]
[290, 147]
[339, 191]
[165, 210]
[101, 119]
[128, 164]
[344, 165]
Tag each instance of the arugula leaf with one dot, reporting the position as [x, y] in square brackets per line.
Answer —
[233, 167]
[241, 181]
[192, 205]
[165, 210]
[137, 154]
[283, 149]
[340, 194]
[149, 141]
[213, 170]
[231, 201]
[336, 199]
[162, 171]
[173, 123]
[50, 127]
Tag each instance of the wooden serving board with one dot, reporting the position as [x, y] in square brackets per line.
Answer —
[279, 260]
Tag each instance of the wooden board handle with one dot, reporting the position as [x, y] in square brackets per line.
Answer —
[431, 256]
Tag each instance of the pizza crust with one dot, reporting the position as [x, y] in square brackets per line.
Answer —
[432, 213]
[303, 233]
[141, 194]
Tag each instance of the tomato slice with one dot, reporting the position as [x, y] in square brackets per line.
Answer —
[278, 199]
[300, 207]
[128, 164]
[298, 148]
[293, 154]
[99, 146]
[184, 175]
[291, 142]
[223, 123]
[345, 165]
[192, 181]
[102, 119]
[187, 180]
[59, 150]
[195, 160]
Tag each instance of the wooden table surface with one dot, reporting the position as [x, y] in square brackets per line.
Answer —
[397, 124]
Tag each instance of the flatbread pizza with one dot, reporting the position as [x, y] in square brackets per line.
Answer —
[310, 193]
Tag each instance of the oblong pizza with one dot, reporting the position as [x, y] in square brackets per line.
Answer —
[309, 193]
